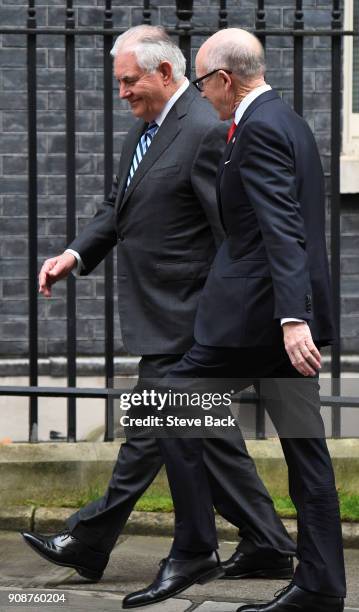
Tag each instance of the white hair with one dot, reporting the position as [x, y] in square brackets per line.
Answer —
[247, 63]
[151, 46]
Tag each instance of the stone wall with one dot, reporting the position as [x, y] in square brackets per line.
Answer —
[89, 151]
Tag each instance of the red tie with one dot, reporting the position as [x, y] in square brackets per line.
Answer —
[231, 131]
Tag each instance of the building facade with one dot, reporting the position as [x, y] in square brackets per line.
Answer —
[89, 119]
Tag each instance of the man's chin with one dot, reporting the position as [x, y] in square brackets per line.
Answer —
[137, 110]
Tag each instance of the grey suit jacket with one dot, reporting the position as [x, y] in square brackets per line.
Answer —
[166, 226]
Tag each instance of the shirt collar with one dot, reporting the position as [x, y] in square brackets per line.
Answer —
[247, 100]
[163, 114]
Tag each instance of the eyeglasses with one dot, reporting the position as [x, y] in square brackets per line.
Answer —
[199, 82]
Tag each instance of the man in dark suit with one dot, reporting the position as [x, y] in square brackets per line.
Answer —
[263, 315]
[163, 217]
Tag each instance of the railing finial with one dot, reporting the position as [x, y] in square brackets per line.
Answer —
[298, 15]
[31, 14]
[146, 12]
[336, 15]
[222, 21]
[70, 14]
[184, 12]
[260, 16]
[108, 14]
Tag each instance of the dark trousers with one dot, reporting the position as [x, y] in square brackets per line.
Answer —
[293, 404]
[234, 487]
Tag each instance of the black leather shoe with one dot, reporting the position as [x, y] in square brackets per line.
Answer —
[174, 577]
[66, 550]
[295, 599]
[258, 565]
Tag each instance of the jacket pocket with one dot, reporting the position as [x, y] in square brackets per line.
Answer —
[184, 270]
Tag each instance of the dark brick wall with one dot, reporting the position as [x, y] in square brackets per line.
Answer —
[89, 148]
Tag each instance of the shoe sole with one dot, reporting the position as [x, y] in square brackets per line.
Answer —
[83, 571]
[213, 574]
[283, 574]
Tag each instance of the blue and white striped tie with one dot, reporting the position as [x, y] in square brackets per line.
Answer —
[142, 147]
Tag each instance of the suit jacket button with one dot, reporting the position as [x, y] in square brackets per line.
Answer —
[121, 237]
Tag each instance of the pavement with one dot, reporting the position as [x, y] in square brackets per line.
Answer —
[133, 564]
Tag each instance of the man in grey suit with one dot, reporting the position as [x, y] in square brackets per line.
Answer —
[163, 217]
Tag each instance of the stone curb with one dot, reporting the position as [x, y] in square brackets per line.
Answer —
[69, 469]
[50, 520]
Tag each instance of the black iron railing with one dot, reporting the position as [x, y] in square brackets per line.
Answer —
[184, 31]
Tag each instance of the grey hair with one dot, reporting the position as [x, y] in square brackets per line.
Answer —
[151, 46]
[242, 61]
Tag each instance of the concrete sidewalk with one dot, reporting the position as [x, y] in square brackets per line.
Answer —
[133, 564]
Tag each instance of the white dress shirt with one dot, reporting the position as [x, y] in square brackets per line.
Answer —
[248, 99]
[159, 120]
[240, 110]
[177, 94]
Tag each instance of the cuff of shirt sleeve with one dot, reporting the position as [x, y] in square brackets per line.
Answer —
[76, 271]
[291, 320]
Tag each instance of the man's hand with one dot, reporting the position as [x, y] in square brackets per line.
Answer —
[301, 349]
[55, 269]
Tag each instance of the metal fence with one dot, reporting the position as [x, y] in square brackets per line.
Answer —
[184, 31]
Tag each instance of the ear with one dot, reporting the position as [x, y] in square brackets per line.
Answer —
[166, 71]
[226, 79]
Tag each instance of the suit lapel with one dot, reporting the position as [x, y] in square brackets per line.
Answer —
[226, 157]
[267, 96]
[161, 141]
[164, 137]
[126, 159]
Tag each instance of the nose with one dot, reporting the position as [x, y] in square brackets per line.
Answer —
[123, 91]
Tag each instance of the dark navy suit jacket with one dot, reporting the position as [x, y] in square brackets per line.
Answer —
[273, 262]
